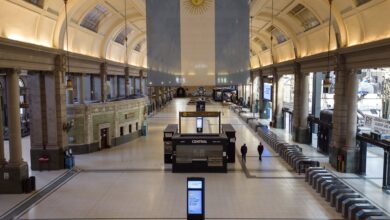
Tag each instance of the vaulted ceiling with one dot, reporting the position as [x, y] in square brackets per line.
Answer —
[97, 27]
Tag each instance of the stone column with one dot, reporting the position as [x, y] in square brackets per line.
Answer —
[343, 144]
[16, 169]
[278, 103]
[262, 103]
[2, 156]
[140, 82]
[301, 106]
[48, 116]
[15, 141]
[127, 81]
[351, 100]
[303, 129]
[297, 98]
[82, 82]
[103, 82]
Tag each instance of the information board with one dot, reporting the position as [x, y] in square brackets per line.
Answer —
[267, 91]
[194, 202]
[377, 124]
[195, 198]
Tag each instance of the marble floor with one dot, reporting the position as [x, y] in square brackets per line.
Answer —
[131, 181]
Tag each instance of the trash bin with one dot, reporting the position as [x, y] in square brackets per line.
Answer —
[29, 184]
[69, 159]
[145, 128]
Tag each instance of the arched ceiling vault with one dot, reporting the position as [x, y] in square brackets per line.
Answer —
[353, 23]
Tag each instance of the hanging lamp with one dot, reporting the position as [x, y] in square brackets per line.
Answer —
[127, 80]
[327, 81]
[69, 83]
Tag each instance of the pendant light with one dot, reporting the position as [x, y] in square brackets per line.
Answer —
[127, 80]
[69, 83]
[271, 36]
[327, 81]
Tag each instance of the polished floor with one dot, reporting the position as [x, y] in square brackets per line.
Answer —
[132, 182]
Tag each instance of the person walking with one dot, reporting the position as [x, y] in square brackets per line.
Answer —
[244, 150]
[260, 149]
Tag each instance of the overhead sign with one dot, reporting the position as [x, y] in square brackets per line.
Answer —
[199, 114]
[377, 124]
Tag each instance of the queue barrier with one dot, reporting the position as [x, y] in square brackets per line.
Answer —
[348, 203]
[342, 197]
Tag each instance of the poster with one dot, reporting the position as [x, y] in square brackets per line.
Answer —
[377, 124]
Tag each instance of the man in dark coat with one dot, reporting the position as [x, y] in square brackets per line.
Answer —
[244, 150]
[260, 149]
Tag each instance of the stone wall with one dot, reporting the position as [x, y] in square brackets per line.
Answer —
[88, 119]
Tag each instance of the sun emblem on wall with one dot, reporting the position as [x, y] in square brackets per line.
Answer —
[197, 7]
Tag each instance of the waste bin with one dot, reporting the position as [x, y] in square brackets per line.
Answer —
[145, 128]
[69, 159]
[29, 184]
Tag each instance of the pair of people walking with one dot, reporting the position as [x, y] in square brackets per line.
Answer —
[244, 151]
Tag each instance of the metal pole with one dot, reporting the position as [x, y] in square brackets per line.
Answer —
[363, 157]
[219, 124]
[179, 122]
[386, 171]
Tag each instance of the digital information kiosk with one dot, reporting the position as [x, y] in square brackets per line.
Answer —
[195, 198]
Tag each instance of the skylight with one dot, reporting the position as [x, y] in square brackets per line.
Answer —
[120, 38]
[94, 17]
[38, 3]
[276, 33]
[305, 16]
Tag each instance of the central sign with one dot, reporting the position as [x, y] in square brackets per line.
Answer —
[199, 141]
[199, 114]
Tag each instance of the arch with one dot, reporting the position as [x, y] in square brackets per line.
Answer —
[73, 7]
[286, 30]
[116, 28]
[339, 22]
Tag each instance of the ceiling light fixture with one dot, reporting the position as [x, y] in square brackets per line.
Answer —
[127, 81]
[327, 81]
[69, 84]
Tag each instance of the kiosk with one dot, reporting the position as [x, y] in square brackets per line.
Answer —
[199, 152]
[231, 145]
[195, 198]
[169, 131]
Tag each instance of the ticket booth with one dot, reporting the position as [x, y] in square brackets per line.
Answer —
[169, 131]
[199, 152]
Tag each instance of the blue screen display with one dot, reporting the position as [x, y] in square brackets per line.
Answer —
[267, 91]
[195, 202]
[194, 184]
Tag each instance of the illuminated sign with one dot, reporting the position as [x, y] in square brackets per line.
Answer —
[199, 141]
[199, 114]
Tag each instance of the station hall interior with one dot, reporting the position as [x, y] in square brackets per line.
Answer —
[139, 109]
